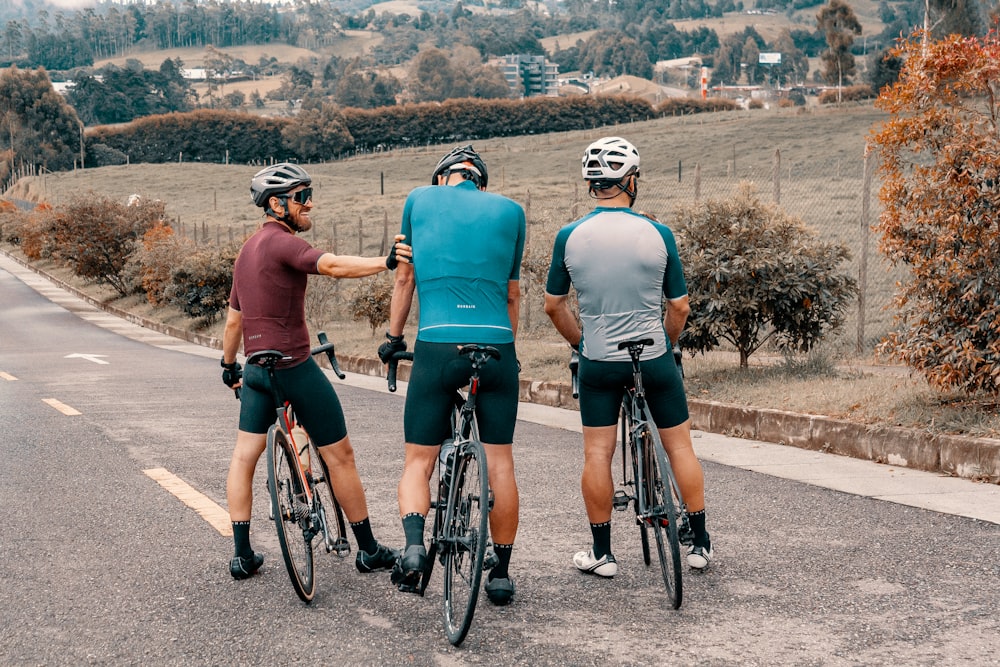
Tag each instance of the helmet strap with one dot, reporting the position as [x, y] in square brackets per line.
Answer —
[284, 218]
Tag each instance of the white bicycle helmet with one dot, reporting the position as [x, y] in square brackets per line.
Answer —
[610, 159]
[275, 180]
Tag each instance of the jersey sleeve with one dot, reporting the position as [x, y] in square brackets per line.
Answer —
[298, 254]
[558, 282]
[674, 285]
[515, 270]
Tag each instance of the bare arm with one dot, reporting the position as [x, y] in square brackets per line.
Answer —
[675, 317]
[232, 336]
[514, 303]
[402, 299]
[353, 266]
[557, 308]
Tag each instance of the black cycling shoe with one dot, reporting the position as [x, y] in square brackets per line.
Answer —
[500, 591]
[409, 568]
[244, 568]
[382, 559]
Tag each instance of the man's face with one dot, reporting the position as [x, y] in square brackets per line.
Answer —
[299, 202]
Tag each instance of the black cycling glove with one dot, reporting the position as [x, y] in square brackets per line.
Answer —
[678, 360]
[391, 262]
[231, 373]
[392, 345]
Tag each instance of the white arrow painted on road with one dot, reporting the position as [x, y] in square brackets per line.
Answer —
[89, 357]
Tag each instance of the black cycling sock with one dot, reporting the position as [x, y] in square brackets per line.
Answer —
[697, 520]
[602, 538]
[503, 552]
[363, 534]
[413, 528]
[241, 539]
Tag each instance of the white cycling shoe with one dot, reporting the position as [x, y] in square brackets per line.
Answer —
[605, 566]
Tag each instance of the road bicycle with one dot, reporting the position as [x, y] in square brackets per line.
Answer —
[462, 508]
[303, 504]
[648, 480]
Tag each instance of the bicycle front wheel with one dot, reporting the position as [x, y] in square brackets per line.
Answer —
[331, 514]
[662, 518]
[466, 529]
[291, 512]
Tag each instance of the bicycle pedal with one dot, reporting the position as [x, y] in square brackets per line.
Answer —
[490, 560]
[340, 546]
[620, 500]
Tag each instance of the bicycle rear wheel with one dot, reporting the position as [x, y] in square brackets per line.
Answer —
[331, 514]
[662, 518]
[466, 529]
[291, 512]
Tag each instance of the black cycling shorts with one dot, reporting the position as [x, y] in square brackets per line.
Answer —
[309, 391]
[437, 372]
[603, 383]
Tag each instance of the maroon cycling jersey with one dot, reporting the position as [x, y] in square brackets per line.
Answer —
[269, 290]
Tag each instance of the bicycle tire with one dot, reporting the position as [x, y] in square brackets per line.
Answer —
[291, 512]
[466, 528]
[331, 513]
[662, 518]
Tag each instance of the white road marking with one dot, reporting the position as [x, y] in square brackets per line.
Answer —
[89, 357]
[7, 376]
[61, 407]
[217, 517]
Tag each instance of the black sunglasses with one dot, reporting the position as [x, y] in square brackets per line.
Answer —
[302, 196]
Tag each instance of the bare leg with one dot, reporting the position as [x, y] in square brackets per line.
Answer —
[239, 482]
[687, 468]
[504, 515]
[339, 459]
[414, 490]
[599, 444]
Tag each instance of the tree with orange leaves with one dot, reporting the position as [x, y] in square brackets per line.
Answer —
[940, 193]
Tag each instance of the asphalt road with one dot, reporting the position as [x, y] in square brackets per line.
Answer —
[101, 564]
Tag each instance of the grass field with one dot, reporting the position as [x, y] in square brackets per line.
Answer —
[358, 199]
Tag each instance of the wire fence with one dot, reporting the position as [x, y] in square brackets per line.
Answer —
[834, 197]
[838, 199]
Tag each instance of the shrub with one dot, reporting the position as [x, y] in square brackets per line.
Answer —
[102, 155]
[847, 94]
[156, 258]
[371, 302]
[201, 283]
[96, 235]
[939, 192]
[754, 274]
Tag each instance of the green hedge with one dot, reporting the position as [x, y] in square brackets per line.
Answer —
[214, 136]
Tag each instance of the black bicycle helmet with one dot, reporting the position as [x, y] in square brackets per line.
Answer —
[275, 180]
[462, 159]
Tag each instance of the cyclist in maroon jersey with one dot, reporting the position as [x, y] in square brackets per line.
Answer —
[267, 312]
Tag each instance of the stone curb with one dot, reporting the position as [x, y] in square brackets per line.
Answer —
[960, 456]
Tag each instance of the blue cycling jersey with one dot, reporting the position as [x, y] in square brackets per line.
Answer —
[467, 247]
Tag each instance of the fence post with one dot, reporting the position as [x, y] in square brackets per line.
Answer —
[866, 188]
[697, 181]
[361, 237]
[384, 248]
[776, 173]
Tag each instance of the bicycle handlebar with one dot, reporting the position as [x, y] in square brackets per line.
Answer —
[390, 376]
[327, 346]
[574, 371]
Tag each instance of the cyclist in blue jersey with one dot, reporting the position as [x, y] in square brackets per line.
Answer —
[623, 266]
[466, 270]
